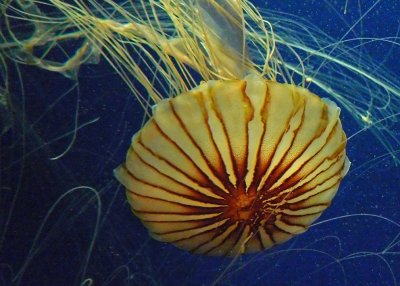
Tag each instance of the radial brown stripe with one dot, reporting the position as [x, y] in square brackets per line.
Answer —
[306, 189]
[254, 179]
[174, 216]
[215, 238]
[211, 182]
[188, 234]
[202, 177]
[245, 233]
[276, 173]
[230, 239]
[220, 173]
[317, 159]
[253, 243]
[172, 165]
[268, 229]
[225, 134]
[170, 204]
[193, 195]
[224, 172]
[156, 170]
[287, 183]
[261, 175]
[286, 220]
[218, 194]
[321, 169]
[277, 231]
[290, 209]
[181, 202]
[285, 143]
[298, 181]
[279, 195]
[177, 227]
[228, 244]
[236, 166]
[306, 144]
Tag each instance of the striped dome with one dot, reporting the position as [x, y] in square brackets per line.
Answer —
[234, 167]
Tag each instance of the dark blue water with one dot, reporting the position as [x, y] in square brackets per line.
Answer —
[65, 221]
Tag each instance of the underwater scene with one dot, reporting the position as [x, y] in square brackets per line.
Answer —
[199, 142]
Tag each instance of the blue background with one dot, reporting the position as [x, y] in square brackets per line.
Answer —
[66, 221]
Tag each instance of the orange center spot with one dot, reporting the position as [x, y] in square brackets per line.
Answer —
[241, 207]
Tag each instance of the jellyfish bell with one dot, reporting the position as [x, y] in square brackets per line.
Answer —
[235, 166]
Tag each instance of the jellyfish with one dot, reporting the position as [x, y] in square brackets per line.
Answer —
[237, 164]
[236, 152]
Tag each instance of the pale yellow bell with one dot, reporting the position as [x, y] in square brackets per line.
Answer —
[235, 166]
